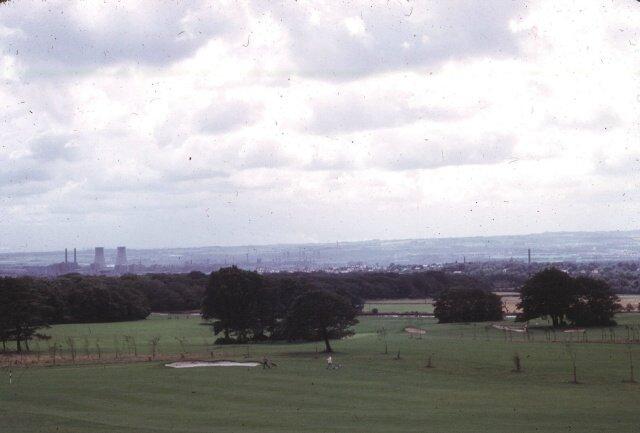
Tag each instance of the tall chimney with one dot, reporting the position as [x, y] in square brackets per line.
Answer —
[75, 257]
[65, 256]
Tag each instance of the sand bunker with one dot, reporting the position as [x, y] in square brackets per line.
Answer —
[414, 330]
[509, 328]
[192, 364]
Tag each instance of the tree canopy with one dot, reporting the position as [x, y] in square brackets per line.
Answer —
[237, 301]
[22, 311]
[467, 305]
[320, 315]
[581, 301]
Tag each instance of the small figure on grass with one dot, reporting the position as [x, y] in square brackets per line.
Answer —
[331, 365]
[267, 363]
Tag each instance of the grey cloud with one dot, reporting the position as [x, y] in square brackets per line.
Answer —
[604, 119]
[265, 155]
[489, 149]
[52, 147]
[19, 174]
[227, 116]
[399, 35]
[356, 114]
[48, 38]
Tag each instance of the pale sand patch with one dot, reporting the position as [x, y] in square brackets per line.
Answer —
[415, 330]
[192, 364]
[509, 328]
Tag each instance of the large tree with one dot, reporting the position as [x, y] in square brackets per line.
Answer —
[467, 305]
[549, 293]
[582, 301]
[320, 315]
[22, 312]
[594, 303]
[235, 301]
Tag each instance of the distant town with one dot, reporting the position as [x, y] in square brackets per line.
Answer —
[505, 261]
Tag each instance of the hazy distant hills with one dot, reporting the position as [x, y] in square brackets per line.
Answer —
[547, 247]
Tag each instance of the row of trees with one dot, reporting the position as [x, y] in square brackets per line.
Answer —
[260, 309]
[581, 301]
[27, 305]
[244, 306]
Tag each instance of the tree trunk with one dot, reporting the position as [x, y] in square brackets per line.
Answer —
[326, 343]
[18, 346]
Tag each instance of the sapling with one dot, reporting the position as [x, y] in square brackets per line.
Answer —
[154, 346]
[632, 378]
[72, 348]
[517, 364]
[429, 362]
[572, 357]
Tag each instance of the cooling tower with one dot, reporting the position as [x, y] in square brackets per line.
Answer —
[121, 256]
[98, 261]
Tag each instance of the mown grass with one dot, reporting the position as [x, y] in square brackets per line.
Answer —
[471, 388]
[400, 306]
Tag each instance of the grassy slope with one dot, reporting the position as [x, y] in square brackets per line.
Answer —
[471, 389]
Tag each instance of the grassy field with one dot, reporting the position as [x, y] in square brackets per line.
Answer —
[509, 299]
[471, 388]
[400, 306]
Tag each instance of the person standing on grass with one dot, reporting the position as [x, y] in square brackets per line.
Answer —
[266, 362]
[329, 362]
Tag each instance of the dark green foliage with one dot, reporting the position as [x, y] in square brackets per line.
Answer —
[237, 302]
[548, 293]
[467, 305]
[319, 315]
[583, 301]
[594, 304]
[83, 299]
[381, 285]
[22, 311]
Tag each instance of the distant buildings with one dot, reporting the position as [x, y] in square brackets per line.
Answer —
[99, 261]
[121, 260]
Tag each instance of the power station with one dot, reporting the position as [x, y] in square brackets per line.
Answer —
[98, 261]
[121, 256]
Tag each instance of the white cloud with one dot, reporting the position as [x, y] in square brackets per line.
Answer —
[253, 122]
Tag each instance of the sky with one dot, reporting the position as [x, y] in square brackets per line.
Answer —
[164, 124]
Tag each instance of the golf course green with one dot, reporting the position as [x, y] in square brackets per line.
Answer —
[383, 383]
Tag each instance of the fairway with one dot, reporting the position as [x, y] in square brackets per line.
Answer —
[401, 306]
[471, 387]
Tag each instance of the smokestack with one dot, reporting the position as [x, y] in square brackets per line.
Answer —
[75, 257]
[529, 254]
[121, 256]
[98, 260]
[65, 256]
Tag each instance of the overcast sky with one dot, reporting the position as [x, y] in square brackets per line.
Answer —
[226, 123]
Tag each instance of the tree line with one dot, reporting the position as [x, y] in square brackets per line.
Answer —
[245, 306]
[550, 293]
